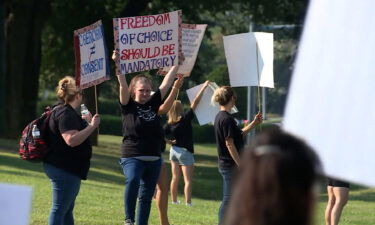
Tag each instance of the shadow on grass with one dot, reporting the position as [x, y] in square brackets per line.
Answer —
[105, 163]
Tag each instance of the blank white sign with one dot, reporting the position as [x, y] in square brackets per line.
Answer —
[331, 102]
[15, 204]
[250, 59]
[205, 111]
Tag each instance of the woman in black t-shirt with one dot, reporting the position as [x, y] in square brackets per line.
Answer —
[141, 147]
[229, 140]
[69, 159]
[182, 149]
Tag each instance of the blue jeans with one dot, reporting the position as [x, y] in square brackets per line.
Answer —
[140, 181]
[65, 188]
[227, 174]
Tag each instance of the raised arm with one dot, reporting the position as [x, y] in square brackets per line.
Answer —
[166, 106]
[257, 120]
[124, 94]
[199, 95]
[167, 81]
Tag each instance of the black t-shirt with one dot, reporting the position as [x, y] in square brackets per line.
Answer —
[182, 131]
[226, 127]
[142, 131]
[75, 160]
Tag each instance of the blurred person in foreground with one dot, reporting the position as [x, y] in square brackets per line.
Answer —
[275, 184]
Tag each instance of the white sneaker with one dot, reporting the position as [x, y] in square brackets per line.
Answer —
[189, 204]
[176, 203]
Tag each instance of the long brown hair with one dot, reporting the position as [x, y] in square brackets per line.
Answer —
[275, 184]
[176, 112]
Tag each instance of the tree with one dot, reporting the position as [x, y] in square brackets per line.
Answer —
[28, 23]
[25, 20]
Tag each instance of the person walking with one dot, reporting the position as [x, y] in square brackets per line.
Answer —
[68, 161]
[229, 141]
[179, 127]
[142, 140]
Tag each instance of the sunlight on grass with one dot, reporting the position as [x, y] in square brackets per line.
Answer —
[100, 201]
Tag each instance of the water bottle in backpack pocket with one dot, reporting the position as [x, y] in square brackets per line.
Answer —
[33, 145]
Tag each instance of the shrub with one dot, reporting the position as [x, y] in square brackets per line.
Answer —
[203, 134]
[110, 124]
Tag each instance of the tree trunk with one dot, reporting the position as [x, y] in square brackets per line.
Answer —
[23, 29]
[2, 68]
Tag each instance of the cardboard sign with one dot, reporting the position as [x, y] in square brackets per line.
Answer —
[331, 99]
[148, 42]
[250, 59]
[15, 204]
[192, 35]
[92, 67]
[206, 111]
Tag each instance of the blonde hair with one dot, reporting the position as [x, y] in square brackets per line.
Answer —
[67, 89]
[176, 112]
[223, 95]
[140, 77]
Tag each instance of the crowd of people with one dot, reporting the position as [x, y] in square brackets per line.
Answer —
[267, 183]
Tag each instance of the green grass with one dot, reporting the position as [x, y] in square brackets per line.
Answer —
[100, 201]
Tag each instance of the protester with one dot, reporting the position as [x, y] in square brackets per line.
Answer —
[68, 161]
[275, 184]
[162, 187]
[182, 148]
[229, 140]
[141, 147]
[338, 194]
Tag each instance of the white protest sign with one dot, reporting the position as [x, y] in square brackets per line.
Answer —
[192, 35]
[15, 204]
[250, 59]
[148, 42]
[331, 99]
[92, 65]
[206, 111]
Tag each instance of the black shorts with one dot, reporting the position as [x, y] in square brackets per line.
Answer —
[337, 183]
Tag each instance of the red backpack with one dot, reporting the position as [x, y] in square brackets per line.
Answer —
[32, 148]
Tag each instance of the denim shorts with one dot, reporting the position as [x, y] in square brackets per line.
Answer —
[181, 155]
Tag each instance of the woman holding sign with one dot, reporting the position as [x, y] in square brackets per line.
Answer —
[182, 149]
[229, 140]
[162, 187]
[143, 134]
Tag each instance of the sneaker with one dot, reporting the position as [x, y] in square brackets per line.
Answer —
[189, 204]
[128, 222]
[176, 203]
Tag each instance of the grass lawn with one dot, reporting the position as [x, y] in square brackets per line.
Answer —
[100, 201]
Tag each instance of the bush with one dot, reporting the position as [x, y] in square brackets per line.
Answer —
[203, 134]
[109, 106]
[110, 124]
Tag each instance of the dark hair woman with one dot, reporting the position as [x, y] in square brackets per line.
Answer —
[276, 181]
